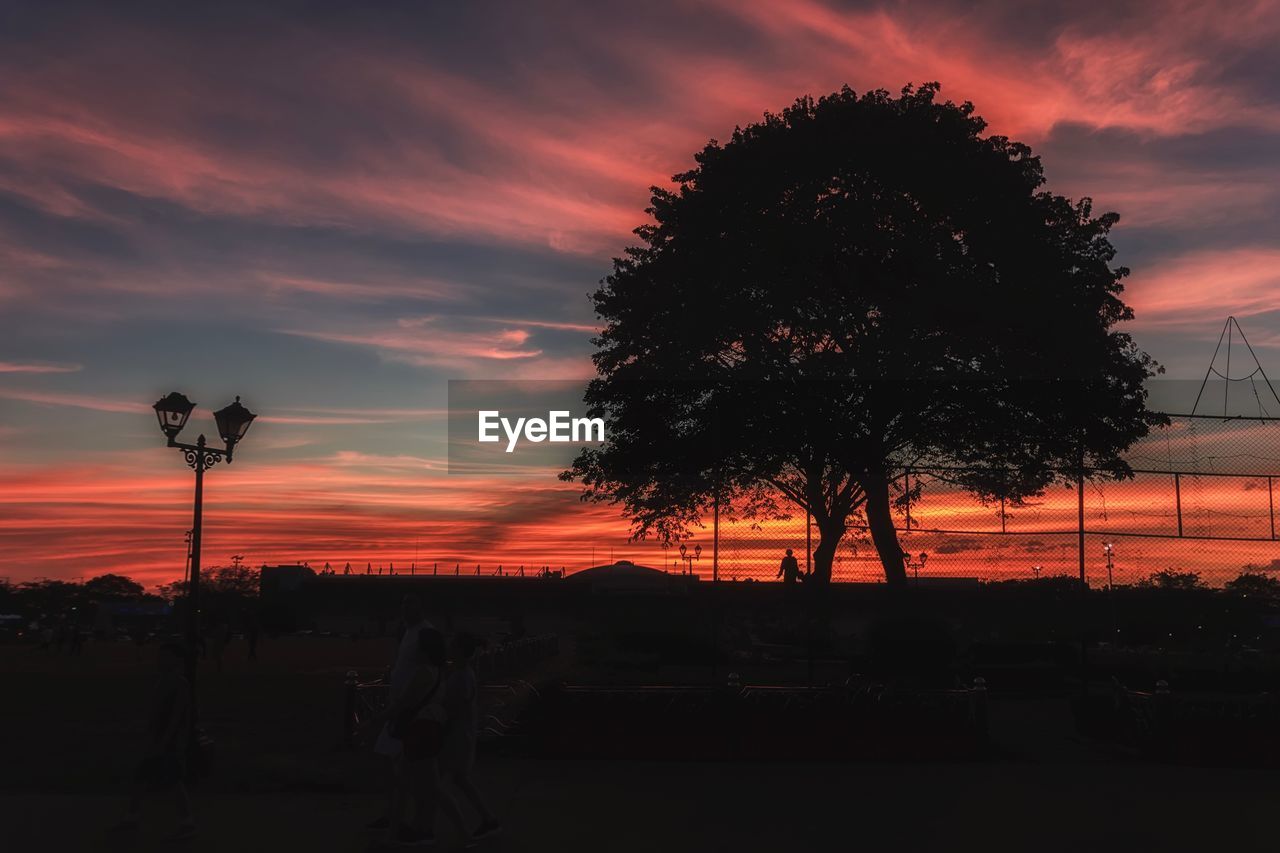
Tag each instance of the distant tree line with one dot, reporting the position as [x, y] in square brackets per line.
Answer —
[228, 594]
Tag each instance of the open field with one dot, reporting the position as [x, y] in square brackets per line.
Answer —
[1023, 805]
[281, 780]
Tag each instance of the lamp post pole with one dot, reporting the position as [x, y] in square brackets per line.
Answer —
[200, 458]
[917, 565]
[687, 558]
[233, 422]
[193, 586]
[1109, 549]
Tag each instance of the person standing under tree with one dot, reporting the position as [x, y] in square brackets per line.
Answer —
[789, 571]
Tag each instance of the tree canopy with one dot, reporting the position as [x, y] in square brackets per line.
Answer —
[844, 290]
[113, 586]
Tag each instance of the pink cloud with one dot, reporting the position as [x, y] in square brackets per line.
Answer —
[1145, 78]
[565, 163]
[431, 341]
[410, 189]
[542, 324]
[1201, 287]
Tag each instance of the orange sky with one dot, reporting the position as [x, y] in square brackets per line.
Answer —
[128, 514]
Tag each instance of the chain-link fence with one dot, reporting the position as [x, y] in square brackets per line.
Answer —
[1202, 501]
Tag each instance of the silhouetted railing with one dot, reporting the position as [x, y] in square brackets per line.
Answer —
[514, 657]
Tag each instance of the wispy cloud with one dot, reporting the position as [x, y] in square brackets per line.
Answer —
[37, 367]
[433, 341]
[541, 324]
[78, 401]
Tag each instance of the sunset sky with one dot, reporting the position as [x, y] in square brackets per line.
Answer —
[332, 209]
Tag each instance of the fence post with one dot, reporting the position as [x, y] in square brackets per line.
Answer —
[906, 493]
[978, 707]
[1177, 498]
[1080, 523]
[1271, 507]
[715, 538]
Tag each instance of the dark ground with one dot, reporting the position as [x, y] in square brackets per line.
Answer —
[283, 783]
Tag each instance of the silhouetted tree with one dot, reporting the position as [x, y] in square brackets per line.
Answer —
[113, 586]
[219, 582]
[49, 596]
[171, 591]
[238, 582]
[1254, 583]
[849, 288]
[1173, 579]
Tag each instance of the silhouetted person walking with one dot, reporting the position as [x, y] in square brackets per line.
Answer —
[458, 753]
[403, 670]
[168, 735]
[789, 571]
[417, 717]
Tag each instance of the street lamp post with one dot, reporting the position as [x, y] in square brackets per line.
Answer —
[688, 557]
[233, 422]
[916, 564]
[1109, 550]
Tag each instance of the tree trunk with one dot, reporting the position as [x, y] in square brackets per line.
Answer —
[880, 524]
[824, 555]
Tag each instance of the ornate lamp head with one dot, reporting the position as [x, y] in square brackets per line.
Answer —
[233, 422]
[172, 412]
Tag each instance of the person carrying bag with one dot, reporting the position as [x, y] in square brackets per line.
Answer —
[422, 736]
[419, 724]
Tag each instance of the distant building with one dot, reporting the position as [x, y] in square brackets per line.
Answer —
[626, 578]
[281, 579]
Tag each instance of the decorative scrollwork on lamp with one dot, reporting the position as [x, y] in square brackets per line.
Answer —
[202, 458]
